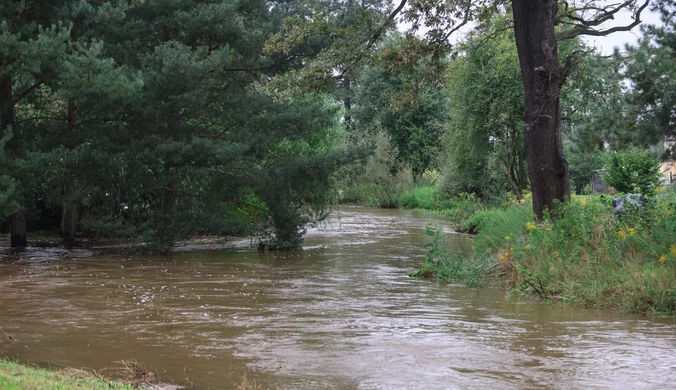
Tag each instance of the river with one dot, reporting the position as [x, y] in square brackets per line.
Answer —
[341, 314]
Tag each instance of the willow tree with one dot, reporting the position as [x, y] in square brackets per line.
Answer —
[539, 26]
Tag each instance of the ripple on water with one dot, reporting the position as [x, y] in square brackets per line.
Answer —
[340, 314]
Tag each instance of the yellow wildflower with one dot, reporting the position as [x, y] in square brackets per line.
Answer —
[673, 249]
[521, 201]
[531, 226]
[527, 246]
[583, 202]
[662, 259]
[631, 232]
[621, 235]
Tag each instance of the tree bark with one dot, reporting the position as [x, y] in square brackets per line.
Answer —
[17, 220]
[543, 77]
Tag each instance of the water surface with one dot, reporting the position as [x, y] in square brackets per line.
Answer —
[342, 314]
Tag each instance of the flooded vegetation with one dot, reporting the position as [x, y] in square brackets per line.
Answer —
[340, 314]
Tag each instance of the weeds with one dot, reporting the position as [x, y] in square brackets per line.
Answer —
[134, 372]
[248, 384]
[587, 256]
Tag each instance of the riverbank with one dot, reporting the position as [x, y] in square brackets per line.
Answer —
[15, 376]
[127, 246]
[588, 256]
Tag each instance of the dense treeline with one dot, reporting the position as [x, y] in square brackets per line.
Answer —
[152, 120]
[607, 104]
[161, 120]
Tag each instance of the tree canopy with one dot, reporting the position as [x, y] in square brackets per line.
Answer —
[149, 120]
[538, 27]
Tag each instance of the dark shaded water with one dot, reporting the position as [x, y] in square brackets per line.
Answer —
[342, 314]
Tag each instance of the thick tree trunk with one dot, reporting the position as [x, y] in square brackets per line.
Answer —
[543, 77]
[17, 220]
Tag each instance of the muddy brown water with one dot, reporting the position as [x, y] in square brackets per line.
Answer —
[341, 314]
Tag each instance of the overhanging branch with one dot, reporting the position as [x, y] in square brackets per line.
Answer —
[383, 27]
[584, 28]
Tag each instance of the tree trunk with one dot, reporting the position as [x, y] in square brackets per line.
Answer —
[17, 220]
[543, 77]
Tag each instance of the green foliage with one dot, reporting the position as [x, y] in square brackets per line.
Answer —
[494, 224]
[395, 100]
[649, 67]
[637, 89]
[458, 209]
[448, 267]
[633, 171]
[583, 167]
[383, 178]
[485, 130]
[427, 198]
[15, 376]
[586, 256]
[152, 121]
[8, 188]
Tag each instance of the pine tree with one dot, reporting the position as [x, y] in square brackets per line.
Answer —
[30, 40]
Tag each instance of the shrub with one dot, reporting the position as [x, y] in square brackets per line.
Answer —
[586, 256]
[420, 198]
[582, 168]
[384, 179]
[458, 209]
[633, 171]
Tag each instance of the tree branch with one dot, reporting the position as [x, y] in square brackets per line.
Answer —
[26, 92]
[385, 24]
[585, 30]
[203, 196]
[465, 20]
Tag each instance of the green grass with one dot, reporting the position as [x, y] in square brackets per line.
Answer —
[427, 198]
[15, 376]
[587, 256]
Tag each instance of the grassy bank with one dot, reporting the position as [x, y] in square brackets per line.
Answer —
[15, 376]
[588, 256]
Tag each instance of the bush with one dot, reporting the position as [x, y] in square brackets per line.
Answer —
[419, 198]
[633, 171]
[582, 168]
[460, 208]
[587, 256]
[383, 179]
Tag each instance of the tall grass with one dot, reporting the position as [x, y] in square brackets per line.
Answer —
[587, 255]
